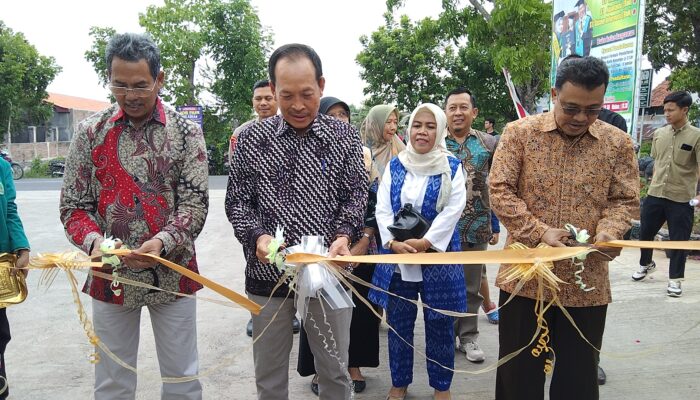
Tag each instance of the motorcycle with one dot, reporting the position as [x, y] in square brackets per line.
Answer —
[17, 170]
[57, 167]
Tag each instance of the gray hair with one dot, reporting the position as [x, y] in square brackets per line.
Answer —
[133, 47]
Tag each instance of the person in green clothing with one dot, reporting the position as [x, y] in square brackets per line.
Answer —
[12, 240]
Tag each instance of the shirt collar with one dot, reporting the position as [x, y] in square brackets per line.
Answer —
[549, 124]
[158, 114]
[317, 128]
[681, 128]
[449, 136]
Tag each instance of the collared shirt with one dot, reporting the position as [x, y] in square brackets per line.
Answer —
[136, 184]
[676, 154]
[475, 153]
[543, 179]
[313, 183]
[234, 137]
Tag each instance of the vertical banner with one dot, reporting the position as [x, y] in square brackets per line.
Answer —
[607, 29]
[193, 113]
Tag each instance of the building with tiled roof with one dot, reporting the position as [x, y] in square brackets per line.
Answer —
[53, 138]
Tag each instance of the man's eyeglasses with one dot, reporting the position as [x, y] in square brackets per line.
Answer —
[138, 92]
[573, 111]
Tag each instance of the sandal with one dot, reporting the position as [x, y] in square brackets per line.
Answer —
[400, 397]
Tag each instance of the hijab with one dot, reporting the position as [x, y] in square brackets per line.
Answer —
[329, 102]
[435, 161]
[372, 131]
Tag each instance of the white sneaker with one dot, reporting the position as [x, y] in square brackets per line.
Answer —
[644, 270]
[674, 288]
[473, 352]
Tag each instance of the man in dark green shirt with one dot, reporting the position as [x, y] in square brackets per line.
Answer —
[12, 240]
[676, 153]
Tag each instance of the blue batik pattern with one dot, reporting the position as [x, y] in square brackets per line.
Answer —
[443, 285]
[439, 338]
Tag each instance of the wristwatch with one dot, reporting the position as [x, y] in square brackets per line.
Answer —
[367, 235]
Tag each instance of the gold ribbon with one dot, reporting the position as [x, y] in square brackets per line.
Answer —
[526, 264]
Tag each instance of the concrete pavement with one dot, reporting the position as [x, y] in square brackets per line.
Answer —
[652, 340]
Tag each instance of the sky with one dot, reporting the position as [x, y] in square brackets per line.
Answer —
[333, 28]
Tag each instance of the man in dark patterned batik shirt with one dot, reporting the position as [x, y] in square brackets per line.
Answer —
[138, 171]
[302, 171]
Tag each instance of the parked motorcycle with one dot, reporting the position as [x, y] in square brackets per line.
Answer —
[57, 167]
[17, 170]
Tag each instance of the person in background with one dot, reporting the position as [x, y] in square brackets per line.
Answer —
[384, 143]
[264, 105]
[676, 153]
[490, 128]
[364, 326]
[12, 240]
[475, 150]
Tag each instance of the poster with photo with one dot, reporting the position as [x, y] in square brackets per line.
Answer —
[609, 30]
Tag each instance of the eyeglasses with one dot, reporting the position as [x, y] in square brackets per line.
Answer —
[574, 111]
[339, 115]
[138, 92]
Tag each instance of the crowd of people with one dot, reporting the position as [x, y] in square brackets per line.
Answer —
[137, 171]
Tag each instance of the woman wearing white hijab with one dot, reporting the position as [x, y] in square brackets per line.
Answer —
[428, 177]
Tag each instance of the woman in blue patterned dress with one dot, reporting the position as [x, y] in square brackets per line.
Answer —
[427, 176]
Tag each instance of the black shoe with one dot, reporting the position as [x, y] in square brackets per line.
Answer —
[314, 385]
[601, 376]
[296, 326]
[359, 386]
[249, 328]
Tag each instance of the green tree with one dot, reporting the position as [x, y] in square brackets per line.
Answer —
[404, 63]
[672, 39]
[239, 46]
[96, 54]
[178, 27]
[24, 76]
[514, 35]
[221, 43]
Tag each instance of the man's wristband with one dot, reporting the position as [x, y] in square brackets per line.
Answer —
[391, 242]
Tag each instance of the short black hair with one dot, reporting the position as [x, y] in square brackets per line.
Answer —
[461, 90]
[261, 84]
[589, 72]
[133, 47]
[491, 121]
[294, 50]
[681, 98]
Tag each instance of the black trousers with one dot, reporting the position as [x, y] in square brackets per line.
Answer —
[679, 217]
[364, 332]
[4, 339]
[575, 375]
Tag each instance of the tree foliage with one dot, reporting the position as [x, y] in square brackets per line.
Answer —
[211, 50]
[470, 47]
[96, 54]
[24, 76]
[404, 63]
[672, 39]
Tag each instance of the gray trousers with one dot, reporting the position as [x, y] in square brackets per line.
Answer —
[175, 333]
[467, 328]
[271, 351]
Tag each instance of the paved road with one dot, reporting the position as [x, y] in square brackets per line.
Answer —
[651, 340]
[36, 184]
